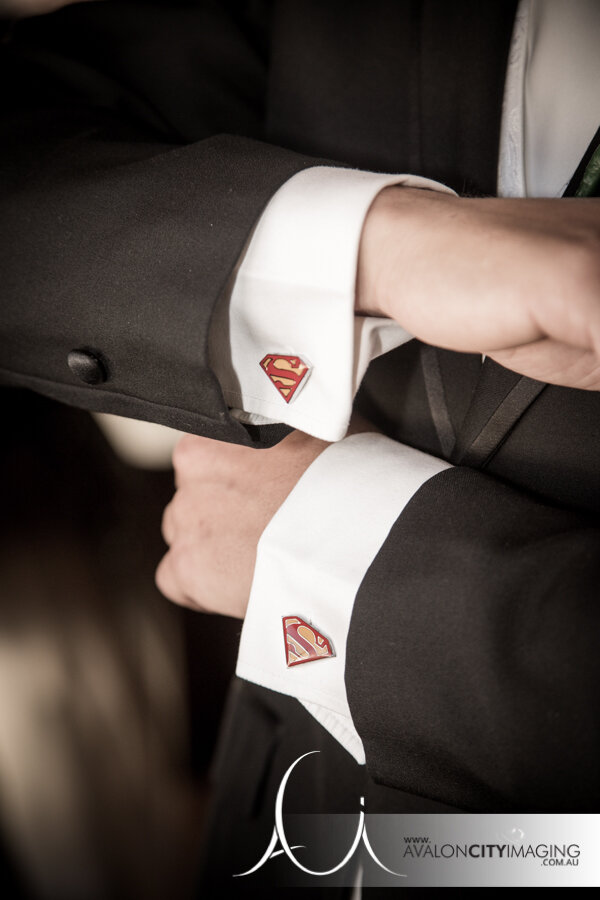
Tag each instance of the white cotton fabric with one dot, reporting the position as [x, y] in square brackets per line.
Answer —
[561, 91]
[551, 106]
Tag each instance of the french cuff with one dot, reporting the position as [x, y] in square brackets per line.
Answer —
[311, 560]
[284, 343]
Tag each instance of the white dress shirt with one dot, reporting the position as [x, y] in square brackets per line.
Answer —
[294, 295]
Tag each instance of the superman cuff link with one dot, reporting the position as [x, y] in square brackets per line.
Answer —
[287, 374]
[303, 643]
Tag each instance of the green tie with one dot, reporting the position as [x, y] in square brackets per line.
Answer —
[589, 186]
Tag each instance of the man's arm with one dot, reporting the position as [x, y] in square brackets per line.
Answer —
[471, 662]
[515, 279]
[106, 210]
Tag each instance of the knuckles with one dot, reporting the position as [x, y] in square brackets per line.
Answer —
[188, 516]
[182, 566]
[166, 526]
[225, 495]
[163, 577]
[187, 453]
[175, 577]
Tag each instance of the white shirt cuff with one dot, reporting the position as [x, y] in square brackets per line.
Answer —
[311, 560]
[293, 296]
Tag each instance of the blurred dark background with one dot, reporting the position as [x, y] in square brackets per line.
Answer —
[110, 696]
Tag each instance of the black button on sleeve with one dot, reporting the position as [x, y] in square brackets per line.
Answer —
[87, 366]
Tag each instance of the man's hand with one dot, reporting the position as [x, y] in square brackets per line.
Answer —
[226, 495]
[518, 280]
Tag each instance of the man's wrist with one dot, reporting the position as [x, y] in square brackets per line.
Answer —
[393, 237]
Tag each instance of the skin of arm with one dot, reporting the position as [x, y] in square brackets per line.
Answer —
[517, 280]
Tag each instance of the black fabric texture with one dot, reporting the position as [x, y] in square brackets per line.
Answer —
[436, 397]
[483, 607]
[124, 205]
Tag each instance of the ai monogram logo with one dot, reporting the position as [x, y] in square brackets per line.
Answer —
[280, 836]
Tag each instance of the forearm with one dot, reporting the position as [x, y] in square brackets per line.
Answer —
[517, 280]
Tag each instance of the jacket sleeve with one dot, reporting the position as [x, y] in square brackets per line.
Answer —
[472, 665]
[133, 168]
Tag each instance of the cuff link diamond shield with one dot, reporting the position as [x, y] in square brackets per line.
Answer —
[303, 643]
[287, 374]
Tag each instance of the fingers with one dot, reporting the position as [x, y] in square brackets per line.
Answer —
[189, 513]
[186, 529]
[167, 583]
[187, 457]
[554, 362]
[168, 525]
[226, 494]
[173, 577]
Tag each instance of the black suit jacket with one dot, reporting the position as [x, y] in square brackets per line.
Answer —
[141, 142]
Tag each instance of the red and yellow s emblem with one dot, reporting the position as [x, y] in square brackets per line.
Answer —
[303, 643]
[287, 373]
